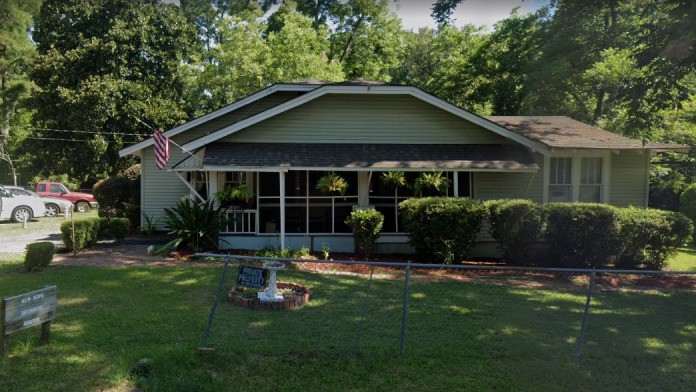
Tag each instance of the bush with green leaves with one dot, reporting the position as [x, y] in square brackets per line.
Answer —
[581, 234]
[367, 226]
[332, 184]
[648, 237]
[517, 227]
[39, 255]
[119, 197]
[194, 226]
[687, 203]
[444, 228]
[116, 228]
[86, 233]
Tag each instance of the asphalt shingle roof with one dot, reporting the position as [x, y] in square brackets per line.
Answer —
[369, 156]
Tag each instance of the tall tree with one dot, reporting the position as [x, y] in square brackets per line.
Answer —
[16, 52]
[102, 67]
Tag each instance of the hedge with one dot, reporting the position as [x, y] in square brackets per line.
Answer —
[517, 227]
[39, 255]
[119, 197]
[89, 231]
[367, 225]
[442, 227]
[648, 236]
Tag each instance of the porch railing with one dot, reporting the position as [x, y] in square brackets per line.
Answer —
[240, 221]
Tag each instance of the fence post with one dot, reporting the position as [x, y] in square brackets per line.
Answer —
[404, 311]
[583, 327]
[213, 309]
[72, 224]
[361, 321]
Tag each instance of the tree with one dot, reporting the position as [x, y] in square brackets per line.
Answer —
[16, 52]
[116, 63]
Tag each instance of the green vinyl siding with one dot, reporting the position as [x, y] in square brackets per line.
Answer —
[350, 118]
[497, 185]
[628, 177]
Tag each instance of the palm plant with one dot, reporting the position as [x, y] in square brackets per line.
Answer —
[433, 181]
[241, 193]
[332, 184]
[194, 226]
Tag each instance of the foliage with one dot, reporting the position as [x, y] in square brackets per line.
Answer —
[86, 233]
[687, 202]
[194, 226]
[242, 193]
[119, 197]
[397, 179]
[516, 225]
[649, 237]
[428, 183]
[150, 225]
[116, 62]
[581, 234]
[441, 227]
[116, 228]
[367, 226]
[39, 255]
[332, 184]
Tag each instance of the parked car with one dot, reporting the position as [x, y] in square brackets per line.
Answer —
[54, 206]
[82, 201]
[19, 208]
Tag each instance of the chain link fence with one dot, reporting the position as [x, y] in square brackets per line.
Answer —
[635, 320]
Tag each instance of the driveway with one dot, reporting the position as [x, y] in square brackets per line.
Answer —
[17, 243]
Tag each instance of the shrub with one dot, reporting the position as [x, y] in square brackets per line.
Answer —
[442, 227]
[649, 237]
[581, 234]
[366, 225]
[687, 202]
[516, 225]
[116, 228]
[119, 197]
[86, 233]
[39, 255]
[194, 226]
[332, 184]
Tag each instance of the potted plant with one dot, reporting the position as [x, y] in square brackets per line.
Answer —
[240, 195]
[433, 181]
[332, 184]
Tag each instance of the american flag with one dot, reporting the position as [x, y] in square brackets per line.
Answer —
[161, 149]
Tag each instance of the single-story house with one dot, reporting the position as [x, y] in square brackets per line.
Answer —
[279, 141]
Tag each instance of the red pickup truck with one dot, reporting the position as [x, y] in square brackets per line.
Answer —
[82, 201]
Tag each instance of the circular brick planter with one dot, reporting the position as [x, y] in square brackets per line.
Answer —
[295, 297]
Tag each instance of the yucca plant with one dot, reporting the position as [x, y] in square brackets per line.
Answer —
[332, 184]
[433, 181]
[194, 226]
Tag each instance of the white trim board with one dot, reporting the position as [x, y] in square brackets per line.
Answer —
[344, 169]
[220, 112]
[396, 90]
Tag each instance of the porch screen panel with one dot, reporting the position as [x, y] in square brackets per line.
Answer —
[560, 181]
[591, 180]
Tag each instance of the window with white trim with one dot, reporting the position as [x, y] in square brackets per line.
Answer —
[560, 179]
[235, 178]
[590, 180]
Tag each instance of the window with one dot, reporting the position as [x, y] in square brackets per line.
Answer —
[307, 210]
[233, 179]
[58, 188]
[20, 192]
[591, 180]
[560, 180]
[41, 188]
[464, 184]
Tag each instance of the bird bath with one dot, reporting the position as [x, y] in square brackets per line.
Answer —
[271, 294]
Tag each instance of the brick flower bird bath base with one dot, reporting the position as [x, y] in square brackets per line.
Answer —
[294, 297]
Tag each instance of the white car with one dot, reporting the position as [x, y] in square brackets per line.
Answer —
[54, 206]
[19, 208]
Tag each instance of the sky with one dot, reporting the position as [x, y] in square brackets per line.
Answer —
[416, 13]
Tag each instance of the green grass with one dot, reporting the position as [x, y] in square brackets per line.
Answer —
[461, 336]
[684, 260]
[11, 229]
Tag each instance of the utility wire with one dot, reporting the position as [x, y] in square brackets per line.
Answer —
[67, 140]
[90, 132]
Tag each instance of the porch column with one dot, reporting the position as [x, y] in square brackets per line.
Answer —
[456, 183]
[281, 178]
[213, 187]
[364, 189]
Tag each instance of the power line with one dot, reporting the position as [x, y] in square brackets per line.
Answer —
[68, 140]
[90, 132]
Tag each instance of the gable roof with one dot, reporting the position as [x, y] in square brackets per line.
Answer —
[361, 88]
[565, 132]
[242, 102]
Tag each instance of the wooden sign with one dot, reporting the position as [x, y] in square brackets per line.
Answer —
[28, 310]
[252, 277]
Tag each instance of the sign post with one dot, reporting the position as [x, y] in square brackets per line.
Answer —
[25, 311]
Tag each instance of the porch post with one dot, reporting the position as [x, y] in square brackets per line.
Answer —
[281, 178]
[213, 187]
[364, 189]
[456, 183]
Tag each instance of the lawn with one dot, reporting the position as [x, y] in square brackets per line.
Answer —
[684, 260]
[461, 336]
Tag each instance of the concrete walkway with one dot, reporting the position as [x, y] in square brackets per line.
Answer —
[17, 243]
